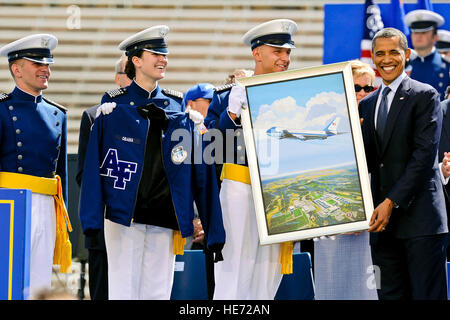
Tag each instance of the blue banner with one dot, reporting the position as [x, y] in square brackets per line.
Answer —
[15, 223]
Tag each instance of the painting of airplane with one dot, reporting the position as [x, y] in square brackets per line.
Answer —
[284, 133]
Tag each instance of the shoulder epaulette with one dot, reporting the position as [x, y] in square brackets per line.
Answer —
[224, 87]
[116, 92]
[173, 93]
[4, 96]
[60, 107]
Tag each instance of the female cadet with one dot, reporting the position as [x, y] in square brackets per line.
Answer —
[136, 171]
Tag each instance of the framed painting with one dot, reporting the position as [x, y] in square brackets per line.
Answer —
[305, 154]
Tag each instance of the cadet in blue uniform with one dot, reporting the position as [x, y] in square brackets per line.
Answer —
[33, 135]
[443, 44]
[427, 65]
[149, 207]
[249, 270]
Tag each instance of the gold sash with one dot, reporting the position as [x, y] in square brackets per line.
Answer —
[62, 255]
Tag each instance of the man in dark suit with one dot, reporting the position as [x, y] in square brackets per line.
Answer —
[444, 155]
[401, 131]
[97, 258]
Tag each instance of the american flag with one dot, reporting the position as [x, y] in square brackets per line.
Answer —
[372, 24]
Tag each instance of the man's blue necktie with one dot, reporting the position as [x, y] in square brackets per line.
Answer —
[382, 113]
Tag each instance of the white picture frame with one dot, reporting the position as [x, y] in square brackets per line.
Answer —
[306, 181]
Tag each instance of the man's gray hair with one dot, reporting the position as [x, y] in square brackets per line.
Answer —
[390, 33]
[119, 67]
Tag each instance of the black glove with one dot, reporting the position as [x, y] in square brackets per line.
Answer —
[154, 113]
[216, 249]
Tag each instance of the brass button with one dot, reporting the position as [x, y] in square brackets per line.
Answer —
[18, 131]
[19, 144]
[20, 169]
[11, 108]
[19, 157]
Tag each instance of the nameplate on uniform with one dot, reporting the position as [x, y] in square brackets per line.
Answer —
[128, 139]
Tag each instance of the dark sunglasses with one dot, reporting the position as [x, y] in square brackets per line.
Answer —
[366, 88]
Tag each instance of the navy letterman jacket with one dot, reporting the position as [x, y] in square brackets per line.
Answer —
[113, 168]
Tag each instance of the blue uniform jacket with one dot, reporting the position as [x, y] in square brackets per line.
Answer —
[218, 118]
[113, 168]
[135, 95]
[432, 70]
[33, 135]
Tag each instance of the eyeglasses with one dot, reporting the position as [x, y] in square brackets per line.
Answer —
[366, 88]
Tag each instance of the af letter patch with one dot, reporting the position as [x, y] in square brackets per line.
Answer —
[118, 169]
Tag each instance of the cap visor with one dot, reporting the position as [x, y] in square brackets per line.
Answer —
[41, 60]
[422, 29]
[163, 51]
[286, 45]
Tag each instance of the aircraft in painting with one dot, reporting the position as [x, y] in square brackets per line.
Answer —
[286, 133]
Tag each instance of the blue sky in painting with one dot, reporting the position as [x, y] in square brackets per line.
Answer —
[309, 104]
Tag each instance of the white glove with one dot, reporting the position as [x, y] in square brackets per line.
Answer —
[195, 116]
[237, 100]
[105, 108]
[332, 237]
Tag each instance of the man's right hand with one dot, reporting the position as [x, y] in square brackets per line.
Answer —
[105, 108]
[446, 165]
[381, 215]
[236, 101]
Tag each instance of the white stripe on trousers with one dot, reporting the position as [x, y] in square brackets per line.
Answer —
[140, 261]
[248, 271]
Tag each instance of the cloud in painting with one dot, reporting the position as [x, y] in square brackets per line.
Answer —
[318, 112]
